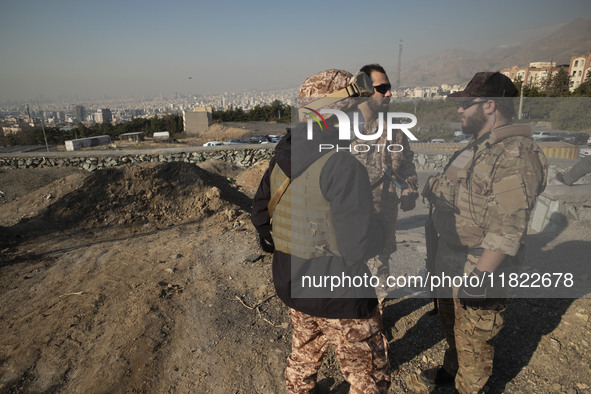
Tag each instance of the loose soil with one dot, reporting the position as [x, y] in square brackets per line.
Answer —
[149, 278]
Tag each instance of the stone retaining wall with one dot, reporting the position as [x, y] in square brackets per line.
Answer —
[91, 161]
[241, 157]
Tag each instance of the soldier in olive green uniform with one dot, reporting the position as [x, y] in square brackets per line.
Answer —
[482, 204]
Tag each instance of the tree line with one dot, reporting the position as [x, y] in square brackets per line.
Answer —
[555, 103]
[274, 112]
[34, 135]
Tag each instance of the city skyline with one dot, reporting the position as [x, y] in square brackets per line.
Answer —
[131, 49]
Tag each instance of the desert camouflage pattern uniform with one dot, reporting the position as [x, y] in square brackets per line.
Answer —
[385, 197]
[360, 347]
[323, 83]
[482, 201]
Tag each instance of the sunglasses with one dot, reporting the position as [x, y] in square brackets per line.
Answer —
[383, 88]
[467, 104]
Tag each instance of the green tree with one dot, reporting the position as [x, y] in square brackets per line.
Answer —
[572, 114]
[560, 84]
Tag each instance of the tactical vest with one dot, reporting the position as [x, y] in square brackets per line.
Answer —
[464, 192]
[302, 221]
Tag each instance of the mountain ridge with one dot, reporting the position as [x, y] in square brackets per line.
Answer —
[457, 66]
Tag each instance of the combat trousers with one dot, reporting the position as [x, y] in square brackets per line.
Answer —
[386, 203]
[360, 347]
[469, 333]
[579, 170]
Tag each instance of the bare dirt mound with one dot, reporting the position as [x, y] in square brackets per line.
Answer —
[144, 195]
[173, 298]
[221, 132]
[250, 178]
[30, 192]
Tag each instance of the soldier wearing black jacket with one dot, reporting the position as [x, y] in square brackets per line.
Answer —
[345, 317]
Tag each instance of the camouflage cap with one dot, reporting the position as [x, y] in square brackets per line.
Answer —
[324, 83]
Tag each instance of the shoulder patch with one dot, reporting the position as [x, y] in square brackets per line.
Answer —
[510, 193]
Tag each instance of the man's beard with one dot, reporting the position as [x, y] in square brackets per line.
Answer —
[475, 122]
[379, 104]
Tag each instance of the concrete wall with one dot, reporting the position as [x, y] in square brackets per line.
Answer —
[195, 122]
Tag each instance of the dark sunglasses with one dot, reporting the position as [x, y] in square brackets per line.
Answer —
[383, 88]
[467, 104]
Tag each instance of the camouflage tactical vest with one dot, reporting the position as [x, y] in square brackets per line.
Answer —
[464, 192]
[302, 221]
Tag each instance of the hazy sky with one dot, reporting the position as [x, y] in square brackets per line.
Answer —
[133, 48]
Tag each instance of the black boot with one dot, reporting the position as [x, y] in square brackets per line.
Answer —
[436, 377]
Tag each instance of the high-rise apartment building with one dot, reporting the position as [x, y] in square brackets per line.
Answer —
[103, 115]
[80, 113]
[579, 65]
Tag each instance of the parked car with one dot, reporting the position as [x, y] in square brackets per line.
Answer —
[235, 141]
[575, 138]
[460, 137]
[213, 143]
[438, 140]
[584, 152]
[548, 138]
[275, 139]
[545, 136]
[258, 139]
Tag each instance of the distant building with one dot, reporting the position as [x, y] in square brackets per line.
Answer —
[80, 113]
[534, 75]
[103, 115]
[132, 137]
[579, 65]
[197, 121]
[80, 143]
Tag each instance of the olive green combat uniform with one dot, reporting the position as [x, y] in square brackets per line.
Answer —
[482, 201]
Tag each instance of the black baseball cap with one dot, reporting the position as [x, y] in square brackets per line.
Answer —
[488, 84]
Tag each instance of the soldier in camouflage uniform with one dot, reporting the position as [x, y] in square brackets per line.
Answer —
[482, 202]
[331, 227]
[378, 158]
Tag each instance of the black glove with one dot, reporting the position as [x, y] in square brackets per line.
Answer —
[266, 242]
[408, 202]
[473, 293]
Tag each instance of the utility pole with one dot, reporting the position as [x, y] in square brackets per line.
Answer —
[43, 125]
[520, 113]
[399, 63]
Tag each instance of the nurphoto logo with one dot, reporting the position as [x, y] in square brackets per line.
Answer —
[394, 121]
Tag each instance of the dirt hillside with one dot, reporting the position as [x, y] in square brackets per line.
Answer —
[149, 279]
